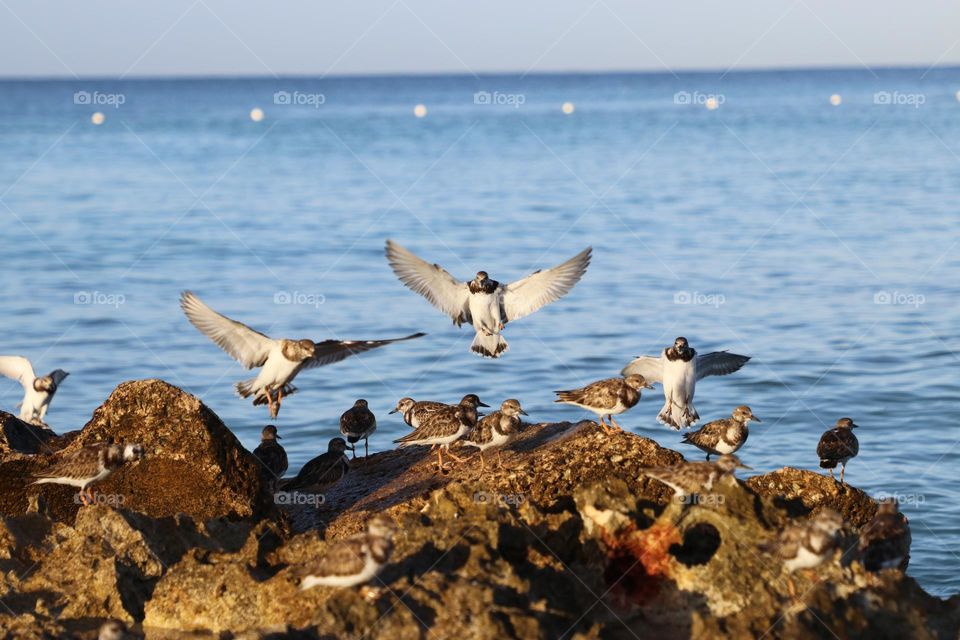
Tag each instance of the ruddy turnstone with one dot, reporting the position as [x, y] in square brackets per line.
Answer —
[272, 456]
[483, 302]
[89, 465]
[358, 423]
[837, 446]
[688, 478]
[807, 544]
[414, 412]
[323, 471]
[444, 427]
[112, 630]
[885, 540]
[606, 397]
[37, 392]
[678, 368]
[496, 430]
[723, 436]
[352, 561]
[280, 360]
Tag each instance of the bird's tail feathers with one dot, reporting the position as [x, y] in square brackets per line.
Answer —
[248, 388]
[489, 346]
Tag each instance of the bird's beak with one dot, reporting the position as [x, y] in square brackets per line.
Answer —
[523, 413]
[755, 418]
[854, 426]
[278, 437]
[480, 404]
[743, 466]
[647, 385]
[394, 410]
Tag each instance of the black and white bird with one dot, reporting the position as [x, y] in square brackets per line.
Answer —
[808, 544]
[679, 368]
[88, 466]
[496, 430]
[358, 423]
[272, 457]
[38, 392]
[414, 411]
[606, 397]
[837, 446]
[444, 427]
[483, 302]
[353, 561]
[322, 472]
[688, 478]
[722, 436]
[885, 540]
[279, 360]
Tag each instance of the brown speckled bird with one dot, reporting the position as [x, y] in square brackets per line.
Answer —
[358, 423]
[443, 428]
[89, 465]
[272, 457]
[885, 540]
[606, 397]
[837, 446]
[496, 430]
[323, 471]
[353, 561]
[723, 436]
[688, 478]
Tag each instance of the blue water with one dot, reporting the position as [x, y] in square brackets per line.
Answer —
[781, 216]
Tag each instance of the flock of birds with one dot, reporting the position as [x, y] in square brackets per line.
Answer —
[488, 306]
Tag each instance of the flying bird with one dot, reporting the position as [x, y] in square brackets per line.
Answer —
[279, 359]
[483, 302]
[37, 392]
[679, 368]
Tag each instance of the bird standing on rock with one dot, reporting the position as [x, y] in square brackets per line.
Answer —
[38, 392]
[324, 471]
[679, 368]
[272, 457]
[807, 544]
[723, 436]
[496, 430]
[280, 360]
[88, 466]
[414, 412]
[353, 561]
[688, 478]
[606, 397]
[483, 302]
[885, 540]
[837, 446]
[358, 423]
[444, 427]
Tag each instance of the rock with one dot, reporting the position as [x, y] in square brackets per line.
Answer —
[22, 437]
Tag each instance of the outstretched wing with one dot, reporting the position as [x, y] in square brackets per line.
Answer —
[523, 297]
[247, 346]
[650, 367]
[719, 363]
[431, 281]
[18, 368]
[330, 351]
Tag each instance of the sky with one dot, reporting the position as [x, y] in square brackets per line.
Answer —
[120, 38]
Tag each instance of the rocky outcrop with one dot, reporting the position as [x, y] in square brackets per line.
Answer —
[569, 540]
[17, 436]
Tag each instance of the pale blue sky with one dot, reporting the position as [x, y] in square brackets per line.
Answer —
[314, 37]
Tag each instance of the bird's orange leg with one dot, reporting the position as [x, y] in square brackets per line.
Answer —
[614, 422]
[606, 429]
[482, 466]
[455, 457]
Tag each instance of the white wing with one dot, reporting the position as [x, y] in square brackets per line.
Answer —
[523, 297]
[431, 281]
[719, 363]
[18, 368]
[650, 367]
[247, 346]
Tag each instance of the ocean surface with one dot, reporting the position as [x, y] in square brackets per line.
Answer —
[820, 239]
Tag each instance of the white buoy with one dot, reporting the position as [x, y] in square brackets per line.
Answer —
[958, 96]
[568, 108]
[97, 118]
[836, 100]
[420, 110]
[711, 103]
[256, 114]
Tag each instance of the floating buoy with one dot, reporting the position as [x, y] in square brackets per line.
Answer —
[256, 114]
[98, 118]
[420, 110]
[836, 100]
[568, 108]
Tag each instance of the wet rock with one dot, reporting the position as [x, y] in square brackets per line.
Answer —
[21, 437]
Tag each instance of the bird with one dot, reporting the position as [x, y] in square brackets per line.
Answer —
[606, 397]
[37, 392]
[444, 427]
[885, 540]
[113, 630]
[323, 471]
[88, 466]
[679, 368]
[413, 412]
[357, 423]
[353, 561]
[496, 430]
[688, 478]
[483, 302]
[808, 544]
[837, 446]
[279, 360]
[272, 456]
[722, 436]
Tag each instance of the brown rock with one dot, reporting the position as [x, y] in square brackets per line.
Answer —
[22, 437]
